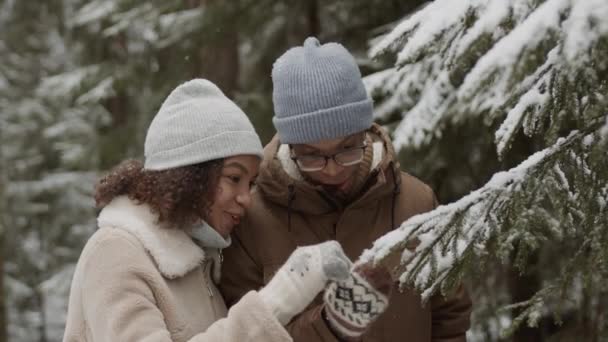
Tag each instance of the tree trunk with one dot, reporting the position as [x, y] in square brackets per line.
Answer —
[218, 55]
[43, 324]
[3, 220]
[303, 21]
[219, 61]
[3, 321]
[314, 23]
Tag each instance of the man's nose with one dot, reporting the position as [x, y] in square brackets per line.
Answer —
[332, 168]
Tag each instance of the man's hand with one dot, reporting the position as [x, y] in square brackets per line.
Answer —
[351, 305]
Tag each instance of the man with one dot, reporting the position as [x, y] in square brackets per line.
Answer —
[333, 174]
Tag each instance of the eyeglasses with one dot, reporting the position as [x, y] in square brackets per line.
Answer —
[316, 162]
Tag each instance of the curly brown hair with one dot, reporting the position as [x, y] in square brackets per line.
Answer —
[180, 196]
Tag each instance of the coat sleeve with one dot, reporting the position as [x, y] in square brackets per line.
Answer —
[248, 320]
[310, 326]
[450, 315]
[241, 273]
[120, 305]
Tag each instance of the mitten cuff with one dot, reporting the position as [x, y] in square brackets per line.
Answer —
[351, 305]
[295, 284]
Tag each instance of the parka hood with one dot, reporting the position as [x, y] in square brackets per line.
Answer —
[281, 182]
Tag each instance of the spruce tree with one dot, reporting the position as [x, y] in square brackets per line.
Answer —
[48, 141]
[518, 91]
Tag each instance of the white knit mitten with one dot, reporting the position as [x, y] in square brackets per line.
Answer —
[302, 277]
[351, 305]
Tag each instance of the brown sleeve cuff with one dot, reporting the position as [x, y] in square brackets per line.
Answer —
[311, 326]
[451, 316]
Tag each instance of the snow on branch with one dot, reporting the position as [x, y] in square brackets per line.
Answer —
[584, 28]
[424, 26]
[140, 18]
[94, 12]
[516, 62]
[427, 251]
[68, 83]
[178, 25]
[505, 55]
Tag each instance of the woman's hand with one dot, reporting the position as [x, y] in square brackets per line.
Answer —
[304, 274]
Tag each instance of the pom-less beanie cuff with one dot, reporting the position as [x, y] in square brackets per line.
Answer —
[325, 124]
[215, 147]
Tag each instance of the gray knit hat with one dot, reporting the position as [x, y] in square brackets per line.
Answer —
[318, 94]
[197, 123]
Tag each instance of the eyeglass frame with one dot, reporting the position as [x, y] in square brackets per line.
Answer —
[328, 157]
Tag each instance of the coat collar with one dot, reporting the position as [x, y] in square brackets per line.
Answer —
[172, 249]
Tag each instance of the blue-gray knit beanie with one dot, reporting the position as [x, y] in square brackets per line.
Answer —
[197, 123]
[318, 94]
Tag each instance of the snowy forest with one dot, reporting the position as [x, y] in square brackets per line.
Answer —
[501, 106]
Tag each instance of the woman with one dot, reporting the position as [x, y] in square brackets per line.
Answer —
[149, 272]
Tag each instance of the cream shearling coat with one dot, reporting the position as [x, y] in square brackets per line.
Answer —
[138, 281]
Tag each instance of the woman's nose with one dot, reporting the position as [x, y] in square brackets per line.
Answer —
[244, 198]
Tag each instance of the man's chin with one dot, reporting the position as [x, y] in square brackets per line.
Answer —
[339, 189]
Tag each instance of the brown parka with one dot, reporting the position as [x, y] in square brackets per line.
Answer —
[287, 212]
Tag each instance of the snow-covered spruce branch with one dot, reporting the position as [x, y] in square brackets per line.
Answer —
[532, 310]
[429, 251]
[517, 62]
[565, 290]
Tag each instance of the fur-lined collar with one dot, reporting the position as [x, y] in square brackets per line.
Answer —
[172, 249]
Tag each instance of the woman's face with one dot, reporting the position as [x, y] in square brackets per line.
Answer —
[232, 196]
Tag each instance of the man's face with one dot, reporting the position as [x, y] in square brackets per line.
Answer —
[333, 176]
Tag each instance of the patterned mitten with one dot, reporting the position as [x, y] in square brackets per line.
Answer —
[302, 277]
[351, 305]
